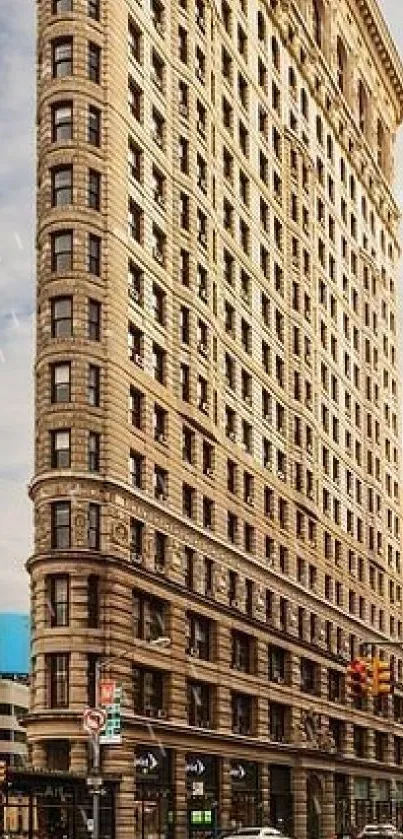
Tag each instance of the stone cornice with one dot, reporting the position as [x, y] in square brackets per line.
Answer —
[386, 48]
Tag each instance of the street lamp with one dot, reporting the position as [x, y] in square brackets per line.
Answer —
[95, 781]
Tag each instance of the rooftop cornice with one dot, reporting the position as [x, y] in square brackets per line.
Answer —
[386, 48]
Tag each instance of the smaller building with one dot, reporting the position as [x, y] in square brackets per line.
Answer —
[14, 701]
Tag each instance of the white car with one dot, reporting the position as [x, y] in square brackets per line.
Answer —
[375, 829]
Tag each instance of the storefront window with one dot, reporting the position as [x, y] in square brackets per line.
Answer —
[153, 806]
[246, 805]
[202, 795]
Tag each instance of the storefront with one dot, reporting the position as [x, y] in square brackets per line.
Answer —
[37, 805]
[202, 791]
[281, 802]
[154, 801]
[363, 810]
[246, 803]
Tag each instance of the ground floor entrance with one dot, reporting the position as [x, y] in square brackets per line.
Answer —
[36, 805]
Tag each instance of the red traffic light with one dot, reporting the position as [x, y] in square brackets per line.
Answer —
[357, 673]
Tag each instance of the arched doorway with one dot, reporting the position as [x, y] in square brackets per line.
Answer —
[314, 797]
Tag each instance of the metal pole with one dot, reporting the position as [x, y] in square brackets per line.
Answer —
[96, 766]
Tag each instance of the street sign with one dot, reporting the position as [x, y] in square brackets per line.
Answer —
[106, 689]
[94, 720]
[111, 735]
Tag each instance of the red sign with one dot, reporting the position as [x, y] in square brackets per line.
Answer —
[106, 693]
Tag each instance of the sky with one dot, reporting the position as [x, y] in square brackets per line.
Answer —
[17, 279]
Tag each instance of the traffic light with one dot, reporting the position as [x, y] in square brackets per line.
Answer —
[357, 673]
[3, 772]
[381, 677]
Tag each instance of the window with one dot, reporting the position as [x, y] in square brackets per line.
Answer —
[317, 21]
[94, 255]
[93, 601]
[136, 400]
[241, 652]
[341, 65]
[148, 692]
[199, 704]
[94, 62]
[60, 382]
[94, 189]
[94, 443]
[57, 591]
[134, 40]
[135, 220]
[94, 126]
[62, 58]
[62, 121]
[94, 526]
[136, 462]
[61, 524]
[62, 251]
[241, 706]
[93, 385]
[94, 320]
[93, 9]
[60, 449]
[61, 6]
[57, 680]
[62, 317]
[62, 186]
[149, 616]
[136, 540]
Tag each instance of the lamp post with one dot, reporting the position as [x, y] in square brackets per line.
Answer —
[95, 780]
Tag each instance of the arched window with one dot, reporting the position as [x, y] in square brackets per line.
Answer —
[341, 65]
[362, 107]
[317, 18]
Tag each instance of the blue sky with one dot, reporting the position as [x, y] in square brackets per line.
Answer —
[17, 273]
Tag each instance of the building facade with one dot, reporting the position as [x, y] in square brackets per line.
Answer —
[217, 406]
[14, 700]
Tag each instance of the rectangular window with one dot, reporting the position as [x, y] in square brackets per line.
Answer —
[62, 317]
[62, 58]
[94, 320]
[136, 399]
[60, 449]
[61, 524]
[62, 250]
[61, 6]
[58, 599]
[94, 441]
[57, 680]
[62, 186]
[94, 189]
[94, 255]
[94, 126]
[93, 385]
[93, 601]
[94, 62]
[93, 9]
[62, 121]
[60, 382]
[94, 526]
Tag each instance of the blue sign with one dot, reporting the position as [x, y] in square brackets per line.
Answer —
[14, 644]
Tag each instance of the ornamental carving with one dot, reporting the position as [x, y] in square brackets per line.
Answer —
[80, 524]
[120, 533]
